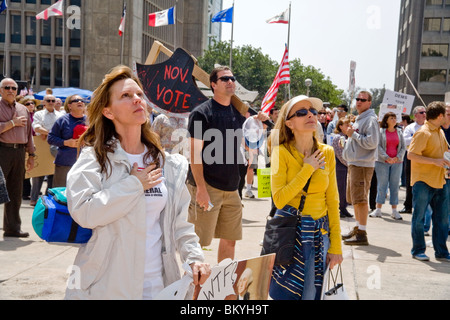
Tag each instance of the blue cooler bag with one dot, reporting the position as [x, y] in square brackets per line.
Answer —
[52, 221]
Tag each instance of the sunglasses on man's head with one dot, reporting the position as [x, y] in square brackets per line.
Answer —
[303, 113]
[10, 88]
[227, 78]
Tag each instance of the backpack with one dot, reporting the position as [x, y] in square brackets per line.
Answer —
[52, 221]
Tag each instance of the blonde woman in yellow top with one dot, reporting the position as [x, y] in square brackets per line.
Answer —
[296, 157]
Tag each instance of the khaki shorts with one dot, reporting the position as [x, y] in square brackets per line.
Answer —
[224, 221]
[358, 184]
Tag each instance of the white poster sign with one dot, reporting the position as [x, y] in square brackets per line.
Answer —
[398, 98]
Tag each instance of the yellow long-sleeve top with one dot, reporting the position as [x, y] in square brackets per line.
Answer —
[290, 175]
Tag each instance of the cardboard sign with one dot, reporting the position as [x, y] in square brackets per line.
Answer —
[399, 99]
[169, 86]
[385, 108]
[238, 280]
[264, 190]
[43, 163]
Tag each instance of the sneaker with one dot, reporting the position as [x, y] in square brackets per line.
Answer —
[421, 257]
[350, 234]
[249, 194]
[359, 239]
[396, 215]
[376, 213]
[445, 259]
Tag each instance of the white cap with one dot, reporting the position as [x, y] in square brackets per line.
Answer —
[316, 103]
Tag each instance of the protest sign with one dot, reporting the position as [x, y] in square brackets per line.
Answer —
[169, 86]
[43, 162]
[238, 280]
[399, 99]
[385, 108]
[264, 190]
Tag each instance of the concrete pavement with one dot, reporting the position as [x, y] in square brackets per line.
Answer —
[33, 269]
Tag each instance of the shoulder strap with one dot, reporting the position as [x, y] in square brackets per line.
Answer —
[303, 199]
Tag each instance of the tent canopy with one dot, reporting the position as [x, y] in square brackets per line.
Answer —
[63, 93]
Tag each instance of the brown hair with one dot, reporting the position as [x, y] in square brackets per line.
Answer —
[383, 123]
[434, 109]
[341, 122]
[101, 130]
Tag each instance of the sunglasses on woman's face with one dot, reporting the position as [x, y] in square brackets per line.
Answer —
[77, 100]
[303, 113]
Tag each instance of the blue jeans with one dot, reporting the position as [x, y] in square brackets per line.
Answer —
[388, 175]
[424, 195]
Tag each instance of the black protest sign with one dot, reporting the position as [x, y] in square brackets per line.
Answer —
[170, 85]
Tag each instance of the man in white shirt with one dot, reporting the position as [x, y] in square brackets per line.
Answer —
[43, 122]
[420, 116]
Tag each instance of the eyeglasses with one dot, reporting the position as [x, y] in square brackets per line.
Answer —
[422, 112]
[50, 100]
[303, 113]
[362, 100]
[30, 103]
[227, 78]
[77, 100]
[10, 88]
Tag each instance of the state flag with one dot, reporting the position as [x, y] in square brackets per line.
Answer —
[280, 18]
[224, 16]
[52, 11]
[162, 18]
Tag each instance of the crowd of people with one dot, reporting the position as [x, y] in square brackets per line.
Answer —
[147, 196]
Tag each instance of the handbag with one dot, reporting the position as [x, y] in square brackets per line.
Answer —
[280, 233]
[331, 288]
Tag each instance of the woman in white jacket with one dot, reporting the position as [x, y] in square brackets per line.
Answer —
[134, 198]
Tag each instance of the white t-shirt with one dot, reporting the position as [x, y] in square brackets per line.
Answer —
[156, 199]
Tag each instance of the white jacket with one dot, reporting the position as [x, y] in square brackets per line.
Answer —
[111, 264]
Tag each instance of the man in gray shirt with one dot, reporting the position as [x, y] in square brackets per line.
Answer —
[360, 152]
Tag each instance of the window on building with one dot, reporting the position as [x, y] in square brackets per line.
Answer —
[30, 29]
[433, 75]
[434, 2]
[432, 24]
[30, 68]
[16, 28]
[446, 25]
[435, 50]
[2, 27]
[16, 69]
[58, 71]
[74, 72]
[45, 71]
[46, 32]
[59, 32]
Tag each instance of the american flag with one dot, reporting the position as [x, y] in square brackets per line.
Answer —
[54, 10]
[283, 77]
[122, 21]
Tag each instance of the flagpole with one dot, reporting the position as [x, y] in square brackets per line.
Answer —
[123, 35]
[232, 36]
[7, 45]
[63, 46]
[288, 44]
[175, 26]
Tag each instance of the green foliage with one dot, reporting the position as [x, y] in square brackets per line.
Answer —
[256, 72]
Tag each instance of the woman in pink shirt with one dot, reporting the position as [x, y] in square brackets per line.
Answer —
[388, 167]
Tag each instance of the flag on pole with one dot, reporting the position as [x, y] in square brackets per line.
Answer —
[52, 11]
[280, 18]
[224, 16]
[352, 85]
[3, 6]
[162, 18]
[283, 77]
[122, 21]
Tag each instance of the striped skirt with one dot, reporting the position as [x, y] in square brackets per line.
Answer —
[288, 281]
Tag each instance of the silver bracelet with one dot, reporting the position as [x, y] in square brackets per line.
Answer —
[13, 123]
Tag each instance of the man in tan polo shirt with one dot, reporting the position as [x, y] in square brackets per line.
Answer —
[428, 168]
[15, 139]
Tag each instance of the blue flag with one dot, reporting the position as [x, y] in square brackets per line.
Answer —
[224, 16]
[3, 6]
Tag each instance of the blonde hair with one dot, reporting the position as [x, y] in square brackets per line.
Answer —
[281, 134]
[101, 130]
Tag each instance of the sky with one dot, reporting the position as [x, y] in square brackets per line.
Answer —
[327, 34]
